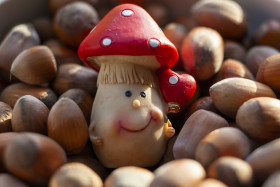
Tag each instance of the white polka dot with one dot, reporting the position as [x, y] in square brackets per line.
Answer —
[127, 13]
[173, 79]
[106, 41]
[154, 43]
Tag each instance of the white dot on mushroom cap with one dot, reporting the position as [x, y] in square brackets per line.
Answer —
[173, 79]
[106, 41]
[127, 13]
[154, 43]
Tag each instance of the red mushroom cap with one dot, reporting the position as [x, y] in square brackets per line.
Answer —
[128, 30]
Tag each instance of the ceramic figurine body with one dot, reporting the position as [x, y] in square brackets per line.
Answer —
[128, 122]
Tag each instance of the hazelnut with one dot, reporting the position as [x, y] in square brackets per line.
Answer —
[198, 125]
[30, 114]
[33, 157]
[232, 171]
[75, 174]
[260, 118]
[265, 160]
[5, 117]
[210, 182]
[67, 126]
[129, 176]
[272, 180]
[14, 91]
[230, 93]
[35, 65]
[225, 141]
[234, 50]
[20, 37]
[82, 98]
[179, 173]
[202, 52]
[227, 17]
[44, 27]
[75, 76]
[5, 138]
[7, 180]
[74, 21]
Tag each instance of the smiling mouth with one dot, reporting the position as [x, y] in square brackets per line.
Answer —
[137, 130]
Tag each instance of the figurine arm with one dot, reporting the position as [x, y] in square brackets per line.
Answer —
[169, 131]
[96, 140]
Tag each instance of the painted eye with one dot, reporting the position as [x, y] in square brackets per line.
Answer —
[128, 93]
[142, 94]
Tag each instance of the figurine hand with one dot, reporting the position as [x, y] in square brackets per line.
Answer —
[96, 140]
[169, 131]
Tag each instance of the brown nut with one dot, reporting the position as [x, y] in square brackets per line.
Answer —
[257, 55]
[5, 117]
[179, 173]
[227, 17]
[233, 68]
[7, 180]
[265, 160]
[129, 176]
[229, 94]
[55, 5]
[202, 52]
[39, 158]
[44, 27]
[67, 126]
[226, 141]
[159, 12]
[21, 37]
[168, 155]
[197, 126]
[5, 138]
[62, 53]
[74, 21]
[14, 91]
[268, 33]
[232, 171]
[30, 114]
[260, 118]
[82, 98]
[268, 72]
[75, 174]
[209, 182]
[35, 65]
[75, 76]
[234, 50]
[273, 180]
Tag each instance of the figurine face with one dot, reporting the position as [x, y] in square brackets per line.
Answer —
[129, 120]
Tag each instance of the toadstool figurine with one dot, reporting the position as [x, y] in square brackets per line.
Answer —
[128, 121]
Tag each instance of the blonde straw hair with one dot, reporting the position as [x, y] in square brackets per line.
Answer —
[126, 73]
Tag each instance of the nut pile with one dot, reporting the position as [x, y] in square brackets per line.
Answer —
[227, 135]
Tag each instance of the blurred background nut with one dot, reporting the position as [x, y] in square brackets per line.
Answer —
[202, 52]
[159, 12]
[75, 175]
[233, 68]
[229, 94]
[273, 180]
[75, 76]
[197, 126]
[257, 55]
[5, 138]
[19, 38]
[268, 72]
[44, 28]
[181, 172]
[265, 160]
[39, 158]
[82, 98]
[35, 65]
[232, 171]
[14, 91]
[74, 21]
[268, 33]
[8, 180]
[260, 118]
[55, 5]
[5, 117]
[30, 115]
[67, 126]
[129, 176]
[225, 141]
[234, 50]
[210, 182]
[227, 17]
